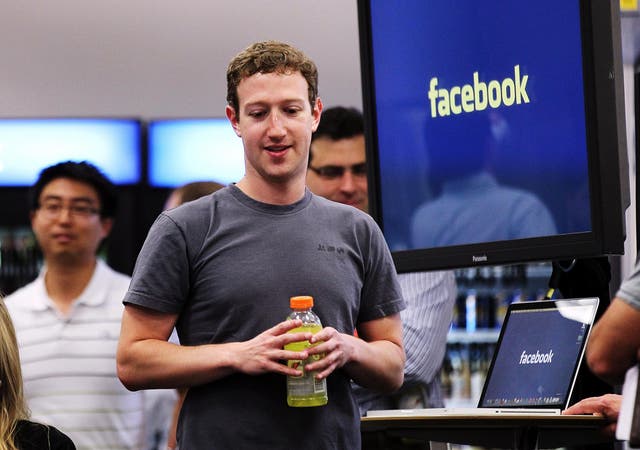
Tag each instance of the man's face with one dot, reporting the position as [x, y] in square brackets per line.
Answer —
[67, 223]
[338, 171]
[275, 122]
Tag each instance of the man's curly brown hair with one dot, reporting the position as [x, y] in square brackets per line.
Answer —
[270, 57]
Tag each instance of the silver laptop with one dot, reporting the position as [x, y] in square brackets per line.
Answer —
[535, 363]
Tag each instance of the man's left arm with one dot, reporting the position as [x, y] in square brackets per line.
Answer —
[375, 359]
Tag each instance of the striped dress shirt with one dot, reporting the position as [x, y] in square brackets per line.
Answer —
[69, 363]
[430, 298]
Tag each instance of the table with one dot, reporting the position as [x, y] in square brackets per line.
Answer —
[517, 431]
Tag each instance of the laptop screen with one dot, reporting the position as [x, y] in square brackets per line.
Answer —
[538, 354]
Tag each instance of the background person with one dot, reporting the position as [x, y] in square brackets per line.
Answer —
[222, 269]
[191, 191]
[68, 320]
[337, 170]
[469, 203]
[17, 432]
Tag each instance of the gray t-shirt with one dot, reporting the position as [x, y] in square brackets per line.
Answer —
[228, 265]
[629, 290]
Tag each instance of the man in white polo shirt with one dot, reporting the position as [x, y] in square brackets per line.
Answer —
[68, 320]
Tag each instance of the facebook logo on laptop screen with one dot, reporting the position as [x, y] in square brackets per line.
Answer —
[538, 355]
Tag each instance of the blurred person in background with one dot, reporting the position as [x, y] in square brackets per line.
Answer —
[191, 191]
[338, 171]
[67, 320]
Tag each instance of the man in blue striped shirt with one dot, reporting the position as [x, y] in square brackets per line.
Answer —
[337, 170]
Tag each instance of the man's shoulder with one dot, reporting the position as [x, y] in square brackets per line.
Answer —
[192, 217]
[21, 295]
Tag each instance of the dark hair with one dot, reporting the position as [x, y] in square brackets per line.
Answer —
[83, 172]
[454, 154]
[338, 123]
[196, 189]
[269, 57]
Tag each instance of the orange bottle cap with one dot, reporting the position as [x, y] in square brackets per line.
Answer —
[301, 302]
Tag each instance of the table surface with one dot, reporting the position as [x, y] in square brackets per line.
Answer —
[499, 431]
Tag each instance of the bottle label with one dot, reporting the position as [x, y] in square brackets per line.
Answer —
[304, 386]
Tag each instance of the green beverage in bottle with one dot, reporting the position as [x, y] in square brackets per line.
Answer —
[304, 390]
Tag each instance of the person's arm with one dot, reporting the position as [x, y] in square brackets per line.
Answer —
[375, 359]
[614, 342]
[172, 440]
[430, 298]
[607, 405]
[145, 360]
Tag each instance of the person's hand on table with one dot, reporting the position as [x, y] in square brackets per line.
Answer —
[607, 406]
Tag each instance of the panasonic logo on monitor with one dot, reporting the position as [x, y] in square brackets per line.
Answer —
[536, 358]
[479, 95]
[482, 258]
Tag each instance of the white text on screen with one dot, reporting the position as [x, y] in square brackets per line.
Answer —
[536, 358]
[476, 97]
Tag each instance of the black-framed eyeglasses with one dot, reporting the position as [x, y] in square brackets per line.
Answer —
[333, 172]
[54, 209]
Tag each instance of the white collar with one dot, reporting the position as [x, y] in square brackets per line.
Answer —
[94, 294]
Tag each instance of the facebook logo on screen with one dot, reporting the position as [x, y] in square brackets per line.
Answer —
[531, 363]
[476, 97]
[536, 358]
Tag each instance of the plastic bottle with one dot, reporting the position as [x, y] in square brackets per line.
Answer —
[304, 390]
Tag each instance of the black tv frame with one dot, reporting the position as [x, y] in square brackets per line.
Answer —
[607, 156]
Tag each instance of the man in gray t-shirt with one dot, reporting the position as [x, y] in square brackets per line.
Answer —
[222, 269]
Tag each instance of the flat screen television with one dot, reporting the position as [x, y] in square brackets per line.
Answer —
[183, 150]
[28, 145]
[495, 130]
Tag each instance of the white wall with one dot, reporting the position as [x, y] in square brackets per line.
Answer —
[157, 58]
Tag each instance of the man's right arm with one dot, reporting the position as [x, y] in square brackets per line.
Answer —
[614, 342]
[145, 359]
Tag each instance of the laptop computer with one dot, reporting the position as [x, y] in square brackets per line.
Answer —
[535, 363]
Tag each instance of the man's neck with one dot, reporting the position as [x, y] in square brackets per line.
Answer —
[66, 282]
[272, 193]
